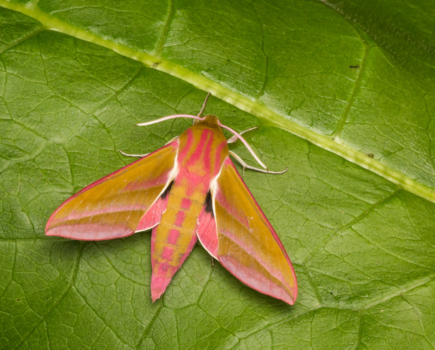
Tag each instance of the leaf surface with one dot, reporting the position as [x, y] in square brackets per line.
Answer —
[355, 211]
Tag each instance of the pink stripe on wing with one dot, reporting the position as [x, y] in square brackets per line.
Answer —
[239, 215]
[248, 249]
[79, 214]
[90, 231]
[144, 185]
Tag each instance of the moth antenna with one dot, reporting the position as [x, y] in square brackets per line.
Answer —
[246, 166]
[169, 117]
[203, 105]
[246, 144]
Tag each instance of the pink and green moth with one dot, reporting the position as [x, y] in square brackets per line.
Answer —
[186, 191]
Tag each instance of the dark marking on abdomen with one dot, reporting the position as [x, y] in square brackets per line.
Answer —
[209, 204]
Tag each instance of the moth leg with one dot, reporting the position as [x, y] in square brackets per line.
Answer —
[245, 143]
[246, 166]
[234, 138]
[212, 262]
[133, 155]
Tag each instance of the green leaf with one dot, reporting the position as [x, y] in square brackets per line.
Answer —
[355, 211]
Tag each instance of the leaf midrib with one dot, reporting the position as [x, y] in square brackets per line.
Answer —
[264, 114]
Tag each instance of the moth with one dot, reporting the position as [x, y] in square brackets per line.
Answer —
[186, 191]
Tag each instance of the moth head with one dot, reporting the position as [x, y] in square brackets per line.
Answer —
[210, 120]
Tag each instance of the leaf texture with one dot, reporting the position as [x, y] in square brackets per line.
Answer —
[342, 93]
